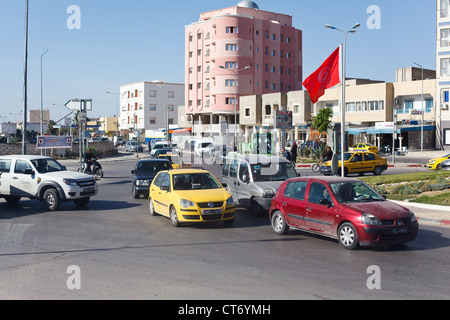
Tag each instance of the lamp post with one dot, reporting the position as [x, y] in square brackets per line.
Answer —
[235, 72]
[423, 111]
[25, 84]
[343, 75]
[117, 113]
[42, 101]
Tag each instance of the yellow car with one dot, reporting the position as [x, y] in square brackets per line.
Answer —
[174, 159]
[190, 195]
[363, 147]
[358, 162]
[434, 164]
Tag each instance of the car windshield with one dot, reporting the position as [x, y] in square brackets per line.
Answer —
[152, 167]
[192, 181]
[206, 145]
[347, 156]
[273, 171]
[348, 192]
[47, 165]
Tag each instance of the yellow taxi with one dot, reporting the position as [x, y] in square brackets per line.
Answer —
[435, 164]
[358, 162]
[174, 159]
[190, 195]
[363, 147]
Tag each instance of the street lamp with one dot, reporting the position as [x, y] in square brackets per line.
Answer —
[423, 111]
[343, 75]
[42, 101]
[235, 72]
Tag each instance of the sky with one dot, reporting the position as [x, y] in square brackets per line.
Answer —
[120, 42]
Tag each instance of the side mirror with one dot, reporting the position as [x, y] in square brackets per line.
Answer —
[28, 171]
[225, 185]
[165, 188]
[325, 202]
[132, 171]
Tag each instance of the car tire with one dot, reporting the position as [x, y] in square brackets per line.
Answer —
[439, 167]
[347, 236]
[279, 224]
[51, 199]
[256, 209]
[174, 217]
[377, 171]
[151, 207]
[134, 193]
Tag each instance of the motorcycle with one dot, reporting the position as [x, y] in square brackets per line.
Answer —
[96, 168]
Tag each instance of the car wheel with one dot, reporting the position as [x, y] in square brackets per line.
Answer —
[82, 202]
[256, 209]
[347, 236]
[174, 217]
[51, 199]
[135, 195]
[151, 207]
[439, 167]
[377, 171]
[279, 224]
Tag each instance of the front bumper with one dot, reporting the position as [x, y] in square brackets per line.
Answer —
[203, 215]
[383, 235]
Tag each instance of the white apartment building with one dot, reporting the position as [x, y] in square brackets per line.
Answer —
[150, 106]
[443, 74]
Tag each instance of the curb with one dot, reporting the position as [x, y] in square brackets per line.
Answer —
[444, 211]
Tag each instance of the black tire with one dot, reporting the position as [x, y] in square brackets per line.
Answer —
[377, 171]
[174, 217]
[278, 223]
[135, 195]
[256, 209]
[347, 236]
[51, 199]
[82, 202]
[315, 167]
[99, 173]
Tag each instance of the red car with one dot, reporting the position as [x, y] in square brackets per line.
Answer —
[343, 208]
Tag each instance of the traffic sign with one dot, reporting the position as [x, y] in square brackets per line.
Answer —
[79, 105]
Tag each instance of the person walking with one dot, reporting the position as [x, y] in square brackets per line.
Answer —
[294, 152]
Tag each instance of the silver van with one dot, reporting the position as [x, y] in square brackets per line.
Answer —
[253, 180]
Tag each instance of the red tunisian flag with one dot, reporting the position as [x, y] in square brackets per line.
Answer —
[323, 78]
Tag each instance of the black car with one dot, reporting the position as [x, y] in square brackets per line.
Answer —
[143, 174]
[162, 151]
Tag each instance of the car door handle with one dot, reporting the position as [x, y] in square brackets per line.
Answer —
[284, 204]
[308, 210]
[15, 178]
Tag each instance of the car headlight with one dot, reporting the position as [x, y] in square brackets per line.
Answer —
[431, 161]
[230, 201]
[412, 216]
[70, 182]
[370, 219]
[268, 193]
[186, 203]
[142, 183]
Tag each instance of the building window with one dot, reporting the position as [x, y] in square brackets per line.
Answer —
[445, 67]
[170, 121]
[152, 93]
[231, 65]
[274, 69]
[373, 105]
[408, 105]
[152, 121]
[445, 41]
[229, 100]
[170, 107]
[199, 36]
[230, 83]
[274, 36]
[231, 47]
[429, 105]
[444, 8]
[232, 29]
[267, 110]
[274, 53]
[351, 107]
[247, 112]
[171, 94]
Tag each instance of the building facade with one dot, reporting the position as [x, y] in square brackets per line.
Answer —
[443, 74]
[150, 106]
[235, 52]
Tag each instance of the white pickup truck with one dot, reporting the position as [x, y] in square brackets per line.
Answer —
[44, 179]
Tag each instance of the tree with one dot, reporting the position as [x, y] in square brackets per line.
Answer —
[322, 122]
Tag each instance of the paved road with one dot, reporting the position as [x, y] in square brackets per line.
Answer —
[122, 252]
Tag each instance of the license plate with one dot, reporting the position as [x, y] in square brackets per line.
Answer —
[211, 211]
[399, 231]
[88, 190]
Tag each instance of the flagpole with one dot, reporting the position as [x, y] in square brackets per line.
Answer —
[342, 55]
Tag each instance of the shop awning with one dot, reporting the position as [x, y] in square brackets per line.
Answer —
[356, 131]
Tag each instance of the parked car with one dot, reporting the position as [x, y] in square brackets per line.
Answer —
[342, 208]
[444, 165]
[133, 146]
[190, 195]
[143, 174]
[253, 180]
[357, 162]
[434, 164]
[364, 147]
[43, 179]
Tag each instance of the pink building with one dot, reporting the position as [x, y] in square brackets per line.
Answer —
[218, 49]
